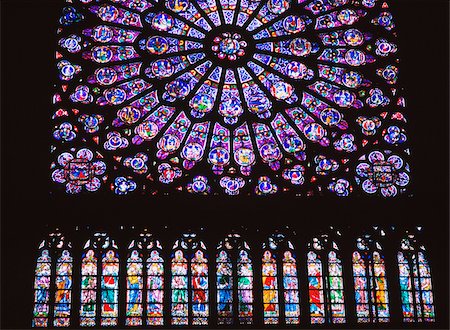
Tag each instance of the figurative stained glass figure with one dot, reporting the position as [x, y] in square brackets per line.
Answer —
[155, 287]
[270, 289]
[134, 289]
[291, 289]
[179, 289]
[245, 288]
[63, 293]
[88, 289]
[296, 91]
[42, 289]
[199, 271]
[224, 288]
[110, 289]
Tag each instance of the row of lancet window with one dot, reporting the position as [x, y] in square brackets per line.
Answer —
[194, 277]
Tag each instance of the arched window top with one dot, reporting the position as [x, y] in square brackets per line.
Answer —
[53, 273]
[134, 257]
[312, 256]
[407, 244]
[233, 241]
[45, 256]
[278, 241]
[415, 280]
[179, 257]
[189, 241]
[288, 257]
[145, 241]
[223, 257]
[100, 240]
[155, 256]
[325, 242]
[55, 240]
[110, 256]
[199, 256]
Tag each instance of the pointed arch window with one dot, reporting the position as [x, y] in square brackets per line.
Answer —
[234, 292]
[190, 293]
[53, 283]
[99, 282]
[415, 282]
[326, 285]
[370, 283]
[145, 304]
[279, 274]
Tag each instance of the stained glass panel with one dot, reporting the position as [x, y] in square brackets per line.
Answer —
[245, 288]
[316, 289]
[336, 288]
[42, 289]
[381, 287]
[291, 289]
[270, 288]
[415, 286]
[155, 289]
[224, 289]
[63, 292]
[110, 289]
[88, 289]
[135, 285]
[199, 278]
[179, 289]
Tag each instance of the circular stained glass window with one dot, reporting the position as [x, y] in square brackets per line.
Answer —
[264, 96]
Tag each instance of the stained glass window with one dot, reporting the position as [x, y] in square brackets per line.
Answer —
[415, 282]
[280, 281]
[245, 288]
[155, 288]
[63, 292]
[42, 289]
[110, 288]
[233, 257]
[135, 284]
[270, 289]
[224, 288]
[88, 288]
[145, 267]
[53, 283]
[326, 287]
[99, 271]
[291, 289]
[190, 295]
[199, 96]
[369, 275]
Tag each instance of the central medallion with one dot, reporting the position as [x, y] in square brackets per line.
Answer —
[229, 46]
